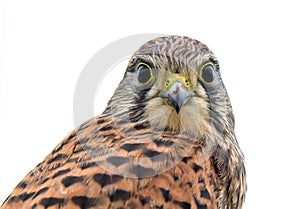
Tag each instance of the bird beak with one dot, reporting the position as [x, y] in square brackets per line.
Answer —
[177, 95]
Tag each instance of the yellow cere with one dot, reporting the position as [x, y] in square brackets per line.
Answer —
[177, 77]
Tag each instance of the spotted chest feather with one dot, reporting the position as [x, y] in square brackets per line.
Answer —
[72, 176]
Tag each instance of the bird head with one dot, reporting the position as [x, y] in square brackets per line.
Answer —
[173, 83]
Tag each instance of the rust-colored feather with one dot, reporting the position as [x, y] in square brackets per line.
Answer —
[72, 176]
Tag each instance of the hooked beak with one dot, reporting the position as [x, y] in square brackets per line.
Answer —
[177, 95]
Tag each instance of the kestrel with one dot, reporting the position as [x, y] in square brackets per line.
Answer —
[165, 140]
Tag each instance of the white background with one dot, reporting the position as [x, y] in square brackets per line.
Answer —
[46, 44]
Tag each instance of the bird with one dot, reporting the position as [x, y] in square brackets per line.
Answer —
[165, 140]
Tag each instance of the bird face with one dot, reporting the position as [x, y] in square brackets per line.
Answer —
[173, 83]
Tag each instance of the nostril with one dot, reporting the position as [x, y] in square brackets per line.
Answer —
[167, 83]
[187, 83]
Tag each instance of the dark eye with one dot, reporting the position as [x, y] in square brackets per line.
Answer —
[207, 73]
[144, 74]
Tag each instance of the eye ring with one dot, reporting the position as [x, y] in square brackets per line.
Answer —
[207, 73]
[144, 74]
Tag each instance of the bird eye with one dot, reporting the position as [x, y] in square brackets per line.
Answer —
[207, 73]
[144, 74]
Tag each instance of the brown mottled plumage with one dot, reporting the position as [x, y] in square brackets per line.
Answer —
[165, 140]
